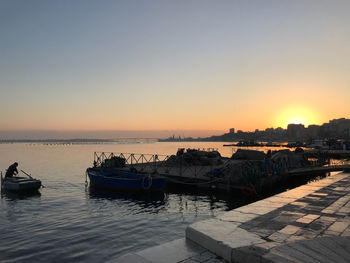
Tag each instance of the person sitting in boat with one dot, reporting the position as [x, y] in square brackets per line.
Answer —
[12, 170]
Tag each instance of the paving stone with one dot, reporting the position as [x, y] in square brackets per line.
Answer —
[278, 237]
[294, 254]
[204, 256]
[308, 218]
[190, 261]
[313, 209]
[319, 194]
[262, 232]
[236, 216]
[331, 249]
[318, 225]
[289, 230]
[215, 260]
[345, 210]
[288, 217]
[268, 245]
[298, 215]
[131, 258]
[273, 225]
[305, 220]
[299, 204]
[276, 257]
[330, 233]
[328, 218]
[307, 233]
[338, 226]
[251, 254]
[328, 211]
[311, 197]
[294, 238]
[172, 252]
[318, 250]
[299, 224]
[255, 210]
[341, 213]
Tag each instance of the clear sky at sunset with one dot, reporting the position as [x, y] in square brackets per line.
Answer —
[172, 65]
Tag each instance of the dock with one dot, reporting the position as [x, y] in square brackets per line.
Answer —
[310, 223]
[178, 171]
[339, 154]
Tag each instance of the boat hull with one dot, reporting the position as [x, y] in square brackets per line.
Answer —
[122, 180]
[20, 184]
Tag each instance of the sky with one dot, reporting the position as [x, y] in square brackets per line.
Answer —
[192, 67]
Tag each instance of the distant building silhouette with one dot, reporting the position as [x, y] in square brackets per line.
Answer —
[296, 132]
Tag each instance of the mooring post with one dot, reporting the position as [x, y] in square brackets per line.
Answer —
[181, 162]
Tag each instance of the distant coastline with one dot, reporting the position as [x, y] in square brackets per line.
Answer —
[79, 141]
[334, 129]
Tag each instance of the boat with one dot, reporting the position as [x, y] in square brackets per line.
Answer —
[124, 180]
[20, 184]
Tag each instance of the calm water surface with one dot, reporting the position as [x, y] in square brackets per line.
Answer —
[68, 221]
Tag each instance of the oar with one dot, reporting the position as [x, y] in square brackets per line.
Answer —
[27, 174]
[43, 186]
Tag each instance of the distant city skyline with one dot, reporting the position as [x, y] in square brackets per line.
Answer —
[156, 134]
[155, 66]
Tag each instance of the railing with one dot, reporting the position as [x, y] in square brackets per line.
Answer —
[155, 163]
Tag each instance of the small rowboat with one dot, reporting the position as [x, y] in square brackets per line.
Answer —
[124, 180]
[20, 184]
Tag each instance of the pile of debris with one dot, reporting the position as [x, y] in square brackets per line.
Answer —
[114, 162]
[249, 166]
[195, 157]
[248, 155]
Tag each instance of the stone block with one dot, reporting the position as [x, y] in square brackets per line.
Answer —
[221, 237]
[172, 252]
[338, 226]
[252, 209]
[278, 237]
[294, 238]
[306, 233]
[251, 254]
[289, 230]
[236, 216]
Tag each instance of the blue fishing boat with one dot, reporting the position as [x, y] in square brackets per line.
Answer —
[124, 180]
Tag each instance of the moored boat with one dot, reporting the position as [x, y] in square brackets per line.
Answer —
[20, 184]
[124, 180]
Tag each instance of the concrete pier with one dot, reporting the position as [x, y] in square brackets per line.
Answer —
[310, 223]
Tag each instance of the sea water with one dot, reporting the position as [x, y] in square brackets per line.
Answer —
[68, 221]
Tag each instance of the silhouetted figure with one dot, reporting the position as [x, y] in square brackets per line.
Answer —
[11, 171]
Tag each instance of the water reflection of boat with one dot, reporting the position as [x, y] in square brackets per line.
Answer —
[155, 198]
[123, 180]
[11, 195]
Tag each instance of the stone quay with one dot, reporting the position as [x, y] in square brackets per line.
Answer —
[310, 223]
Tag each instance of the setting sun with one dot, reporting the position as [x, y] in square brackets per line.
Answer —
[296, 115]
